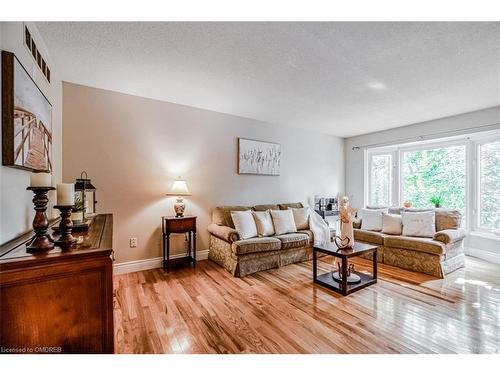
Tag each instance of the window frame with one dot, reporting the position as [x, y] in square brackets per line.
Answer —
[368, 167]
[433, 146]
[472, 143]
[476, 144]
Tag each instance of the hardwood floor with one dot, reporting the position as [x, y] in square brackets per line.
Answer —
[281, 311]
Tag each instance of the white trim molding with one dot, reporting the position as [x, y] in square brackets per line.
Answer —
[151, 263]
[483, 254]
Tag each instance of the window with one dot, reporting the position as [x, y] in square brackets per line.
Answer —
[434, 172]
[489, 185]
[464, 171]
[380, 180]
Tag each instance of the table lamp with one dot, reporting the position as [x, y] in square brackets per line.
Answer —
[179, 189]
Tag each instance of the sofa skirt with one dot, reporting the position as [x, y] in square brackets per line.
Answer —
[380, 254]
[242, 265]
[430, 264]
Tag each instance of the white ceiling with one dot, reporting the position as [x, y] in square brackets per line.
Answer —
[339, 78]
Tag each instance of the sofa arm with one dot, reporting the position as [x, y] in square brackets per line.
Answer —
[450, 235]
[224, 233]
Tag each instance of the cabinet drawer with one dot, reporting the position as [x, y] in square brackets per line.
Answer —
[180, 225]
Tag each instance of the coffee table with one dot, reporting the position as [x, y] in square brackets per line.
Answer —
[343, 286]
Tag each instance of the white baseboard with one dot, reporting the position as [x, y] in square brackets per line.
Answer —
[483, 254]
[148, 264]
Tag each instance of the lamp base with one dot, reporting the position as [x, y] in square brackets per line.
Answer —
[179, 207]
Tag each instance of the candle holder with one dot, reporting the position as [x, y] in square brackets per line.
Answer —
[65, 227]
[42, 240]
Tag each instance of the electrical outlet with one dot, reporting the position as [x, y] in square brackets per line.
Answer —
[133, 242]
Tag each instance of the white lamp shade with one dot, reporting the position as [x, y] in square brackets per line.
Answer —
[179, 187]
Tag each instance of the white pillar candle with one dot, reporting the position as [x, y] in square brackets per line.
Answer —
[65, 194]
[41, 179]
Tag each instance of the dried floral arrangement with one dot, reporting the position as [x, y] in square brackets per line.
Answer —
[347, 213]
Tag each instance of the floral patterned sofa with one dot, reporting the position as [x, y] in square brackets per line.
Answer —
[437, 256]
[244, 257]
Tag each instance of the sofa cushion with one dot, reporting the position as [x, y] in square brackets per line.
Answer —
[286, 206]
[392, 224]
[244, 223]
[265, 207]
[222, 215]
[419, 224]
[414, 209]
[283, 222]
[369, 236]
[264, 223]
[396, 210]
[371, 219]
[425, 245]
[255, 245]
[301, 217]
[447, 219]
[309, 234]
[291, 240]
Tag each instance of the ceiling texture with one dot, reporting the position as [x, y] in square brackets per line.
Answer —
[340, 78]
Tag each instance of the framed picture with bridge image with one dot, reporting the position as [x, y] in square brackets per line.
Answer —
[26, 119]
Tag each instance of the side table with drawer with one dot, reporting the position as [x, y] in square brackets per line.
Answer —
[173, 224]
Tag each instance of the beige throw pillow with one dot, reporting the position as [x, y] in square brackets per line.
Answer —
[392, 224]
[419, 224]
[283, 221]
[301, 217]
[244, 224]
[264, 223]
[371, 219]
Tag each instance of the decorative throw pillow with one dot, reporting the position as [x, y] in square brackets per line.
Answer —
[413, 209]
[371, 219]
[448, 219]
[283, 221]
[244, 224]
[419, 224]
[264, 223]
[391, 224]
[301, 217]
[396, 210]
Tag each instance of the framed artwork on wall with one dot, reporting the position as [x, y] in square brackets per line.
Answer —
[26, 119]
[258, 157]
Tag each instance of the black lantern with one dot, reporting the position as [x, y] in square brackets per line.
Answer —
[85, 197]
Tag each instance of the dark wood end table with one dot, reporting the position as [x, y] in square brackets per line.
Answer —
[344, 287]
[173, 224]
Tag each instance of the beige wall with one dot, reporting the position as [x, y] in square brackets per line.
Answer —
[16, 208]
[133, 148]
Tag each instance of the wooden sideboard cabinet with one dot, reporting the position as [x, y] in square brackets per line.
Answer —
[59, 301]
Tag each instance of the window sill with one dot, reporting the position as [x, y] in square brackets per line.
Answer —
[490, 236]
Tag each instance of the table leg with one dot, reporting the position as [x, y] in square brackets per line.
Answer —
[194, 248]
[189, 244]
[163, 247]
[375, 265]
[168, 252]
[315, 265]
[344, 277]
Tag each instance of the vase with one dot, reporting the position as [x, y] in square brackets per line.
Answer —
[179, 207]
[346, 231]
[77, 216]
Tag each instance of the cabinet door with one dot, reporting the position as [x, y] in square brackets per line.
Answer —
[65, 308]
